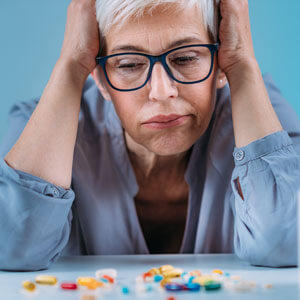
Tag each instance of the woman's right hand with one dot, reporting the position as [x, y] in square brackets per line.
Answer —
[81, 41]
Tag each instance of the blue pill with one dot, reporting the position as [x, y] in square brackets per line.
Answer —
[191, 279]
[193, 287]
[158, 278]
[125, 290]
[174, 287]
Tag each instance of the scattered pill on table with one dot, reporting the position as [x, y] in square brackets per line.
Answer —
[46, 279]
[68, 286]
[28, 286]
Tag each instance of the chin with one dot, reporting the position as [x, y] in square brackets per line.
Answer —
[170, 146]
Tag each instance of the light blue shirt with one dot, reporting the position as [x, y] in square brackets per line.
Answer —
[40, 221]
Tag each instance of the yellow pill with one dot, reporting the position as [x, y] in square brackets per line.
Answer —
[29, 286]
[46, 279]
[217, 271]
[86, 280]
[172, 273]
[165, 268]
[165, 281]
[154, 271]
[92, 285]
[203, 280]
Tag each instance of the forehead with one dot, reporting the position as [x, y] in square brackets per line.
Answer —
[156, 32]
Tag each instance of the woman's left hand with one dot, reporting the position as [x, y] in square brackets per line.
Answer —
[236, 49]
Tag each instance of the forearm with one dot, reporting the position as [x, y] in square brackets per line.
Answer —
[252, 112]
[46, 145]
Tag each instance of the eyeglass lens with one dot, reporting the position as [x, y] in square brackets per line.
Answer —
[130, 71]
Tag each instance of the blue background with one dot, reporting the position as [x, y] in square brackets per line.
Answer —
[32, 33]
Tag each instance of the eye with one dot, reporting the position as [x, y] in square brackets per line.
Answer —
[129, 65]
[181, 60]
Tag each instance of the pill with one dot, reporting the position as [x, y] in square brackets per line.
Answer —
[175, 287]
[109, 272]
[68, 286]
[154, 271]
[217, 271]
[28, 286]
[172, 273]
[165, 268]
[171, 298]
[158, 278]
[109, 278]
[193, 287]
[125, 290]
[89, 282]
[165, 281]
[212, 286]
[46, 279]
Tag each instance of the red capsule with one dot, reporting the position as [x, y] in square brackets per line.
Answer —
[68, 286]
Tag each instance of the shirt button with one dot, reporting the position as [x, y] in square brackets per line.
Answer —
[239, 155]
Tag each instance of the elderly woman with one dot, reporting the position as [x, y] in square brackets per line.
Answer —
[155, 153]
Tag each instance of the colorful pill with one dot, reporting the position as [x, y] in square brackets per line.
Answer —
[212, 286]
[173, 273]
[165, 268]
[125, 290]
[46, 279]
[154, 271]
[217, 271]
[28, 286]
[109, 278]
[85, 281]
[174, 287]
[68, 286]
[195, 273]
[193, 287]
[158, 278]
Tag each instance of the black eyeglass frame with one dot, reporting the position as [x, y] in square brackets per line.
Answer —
[101, 60]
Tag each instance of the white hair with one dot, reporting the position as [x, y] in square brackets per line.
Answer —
[116, 12]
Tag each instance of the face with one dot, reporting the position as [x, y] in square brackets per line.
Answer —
[191, 104]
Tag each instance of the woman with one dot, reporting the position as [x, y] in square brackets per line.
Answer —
[149, 167]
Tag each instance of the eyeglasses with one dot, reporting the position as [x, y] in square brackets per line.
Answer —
[131, 71]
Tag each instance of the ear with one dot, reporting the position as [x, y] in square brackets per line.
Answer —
[221, 79]
[100, 81]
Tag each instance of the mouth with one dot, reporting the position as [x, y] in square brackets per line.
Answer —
[166, 121]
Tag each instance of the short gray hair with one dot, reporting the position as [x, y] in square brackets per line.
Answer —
[117, 12]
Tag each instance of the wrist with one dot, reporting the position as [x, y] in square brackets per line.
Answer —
[78, 72]
[245, 71]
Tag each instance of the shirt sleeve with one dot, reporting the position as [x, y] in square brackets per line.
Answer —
[265, 181]
[35, 215]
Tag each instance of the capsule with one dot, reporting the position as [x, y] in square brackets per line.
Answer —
[28, 286]
[172, 273]
[68, 286]
[46, 279]
[217, 271]
[165, 268]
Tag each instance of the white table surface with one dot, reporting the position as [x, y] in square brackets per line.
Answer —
[284, 280]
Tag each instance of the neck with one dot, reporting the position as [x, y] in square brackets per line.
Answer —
[148, 164]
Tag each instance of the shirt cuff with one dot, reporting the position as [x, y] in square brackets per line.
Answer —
[261, 147]
[33, 182]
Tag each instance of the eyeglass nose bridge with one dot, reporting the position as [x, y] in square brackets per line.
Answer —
[162, 59]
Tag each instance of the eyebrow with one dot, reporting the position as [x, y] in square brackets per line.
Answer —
[174, 44]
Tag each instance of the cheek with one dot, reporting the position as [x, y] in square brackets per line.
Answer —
[127, 105]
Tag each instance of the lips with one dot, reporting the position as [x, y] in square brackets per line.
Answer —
[163, 118]
[166, 121]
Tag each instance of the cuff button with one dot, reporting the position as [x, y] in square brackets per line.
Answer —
[239, 155]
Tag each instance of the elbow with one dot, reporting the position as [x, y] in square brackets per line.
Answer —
[268, 251]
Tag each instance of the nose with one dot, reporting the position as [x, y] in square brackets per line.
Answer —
[161, 86]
